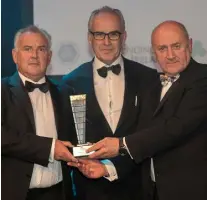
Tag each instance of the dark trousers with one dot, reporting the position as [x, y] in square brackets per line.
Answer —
[155, 194]
[51, 193]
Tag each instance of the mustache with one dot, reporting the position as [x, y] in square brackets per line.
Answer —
[172, 60]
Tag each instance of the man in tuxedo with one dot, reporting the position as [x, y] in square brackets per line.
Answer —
[172, 137]
[33, 138]
[113, 86]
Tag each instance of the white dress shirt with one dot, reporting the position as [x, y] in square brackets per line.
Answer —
[110, 92]
[110, 96]
[45, 126]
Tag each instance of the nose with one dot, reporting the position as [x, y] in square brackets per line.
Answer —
[34, 53]
[107, 40]
[170, 53]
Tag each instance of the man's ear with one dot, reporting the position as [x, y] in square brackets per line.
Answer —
[49, 57]
[191, 45]
[90, 38]
[124, 37]
[14, 55]
[153, 55]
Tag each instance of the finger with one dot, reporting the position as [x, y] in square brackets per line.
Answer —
[84, 161]
[74, 164]
[84, 169]
[81, 168]
[88, 170]
[96, 146]
[91, 173]
[89, 143]
[98, 154]
[67, 143]
[72, 158]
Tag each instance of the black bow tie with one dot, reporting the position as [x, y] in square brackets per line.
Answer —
[165, 79]
[43, 87]
[103, 71]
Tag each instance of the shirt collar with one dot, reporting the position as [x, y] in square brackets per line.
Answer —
[98, 64]
[23, 78]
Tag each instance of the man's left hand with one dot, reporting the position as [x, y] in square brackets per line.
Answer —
[106, 148]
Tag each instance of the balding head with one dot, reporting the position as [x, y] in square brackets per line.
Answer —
[171, 46]
[168, 25]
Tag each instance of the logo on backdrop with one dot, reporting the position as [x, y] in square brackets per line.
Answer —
[68, 53]
[198, 49]
[141, 54]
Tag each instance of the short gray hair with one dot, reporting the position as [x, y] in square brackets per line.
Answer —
[107, 9]
[33, 29]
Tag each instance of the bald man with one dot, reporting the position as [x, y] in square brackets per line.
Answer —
[171, 141]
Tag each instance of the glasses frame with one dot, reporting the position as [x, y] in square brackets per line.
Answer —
[106, 34]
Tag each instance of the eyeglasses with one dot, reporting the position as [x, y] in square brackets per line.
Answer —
[114, 35]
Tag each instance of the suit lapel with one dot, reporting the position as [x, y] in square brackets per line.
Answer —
[22, 97]
[166, 96]
[131, 100]
[93, 110]
[55, 97]
[185, 76]
[92, 105]
[154, 96]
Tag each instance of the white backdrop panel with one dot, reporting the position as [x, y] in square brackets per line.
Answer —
[66, 21]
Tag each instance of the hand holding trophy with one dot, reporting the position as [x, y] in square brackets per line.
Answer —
[78, 103]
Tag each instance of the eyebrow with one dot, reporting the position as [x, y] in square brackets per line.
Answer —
[37, 46]
[27, 46]
[176, 43]
[106, 32]
[164, 45]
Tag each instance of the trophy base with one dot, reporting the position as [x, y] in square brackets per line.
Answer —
[80, 150]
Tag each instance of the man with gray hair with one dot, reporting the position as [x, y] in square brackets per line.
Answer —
[33, 138]
[113, 86]
[171, 143]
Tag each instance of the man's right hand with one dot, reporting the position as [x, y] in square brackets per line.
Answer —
[93, 169]
[62, 153]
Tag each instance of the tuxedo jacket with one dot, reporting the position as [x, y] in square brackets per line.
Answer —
[174, 134]
[137, 77]
[21, 147]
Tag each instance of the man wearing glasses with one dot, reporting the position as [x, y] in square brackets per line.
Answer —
[113, 86]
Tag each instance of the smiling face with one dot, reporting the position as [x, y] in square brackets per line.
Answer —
[106, 50]
[172, 47]
[32, 55]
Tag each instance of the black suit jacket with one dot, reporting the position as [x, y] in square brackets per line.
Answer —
[137, 77]
[175, 136]
[21, 147]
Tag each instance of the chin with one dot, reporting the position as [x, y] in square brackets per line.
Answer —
[107, 60]
[36, 73]
[172, 72]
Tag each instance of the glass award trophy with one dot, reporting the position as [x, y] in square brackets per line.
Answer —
[78, 103]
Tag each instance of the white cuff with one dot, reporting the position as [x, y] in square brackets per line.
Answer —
[51, 158]
[124, 141]
[111, 170]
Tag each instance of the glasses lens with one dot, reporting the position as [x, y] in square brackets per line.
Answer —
[114, 35]
[99, 35]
